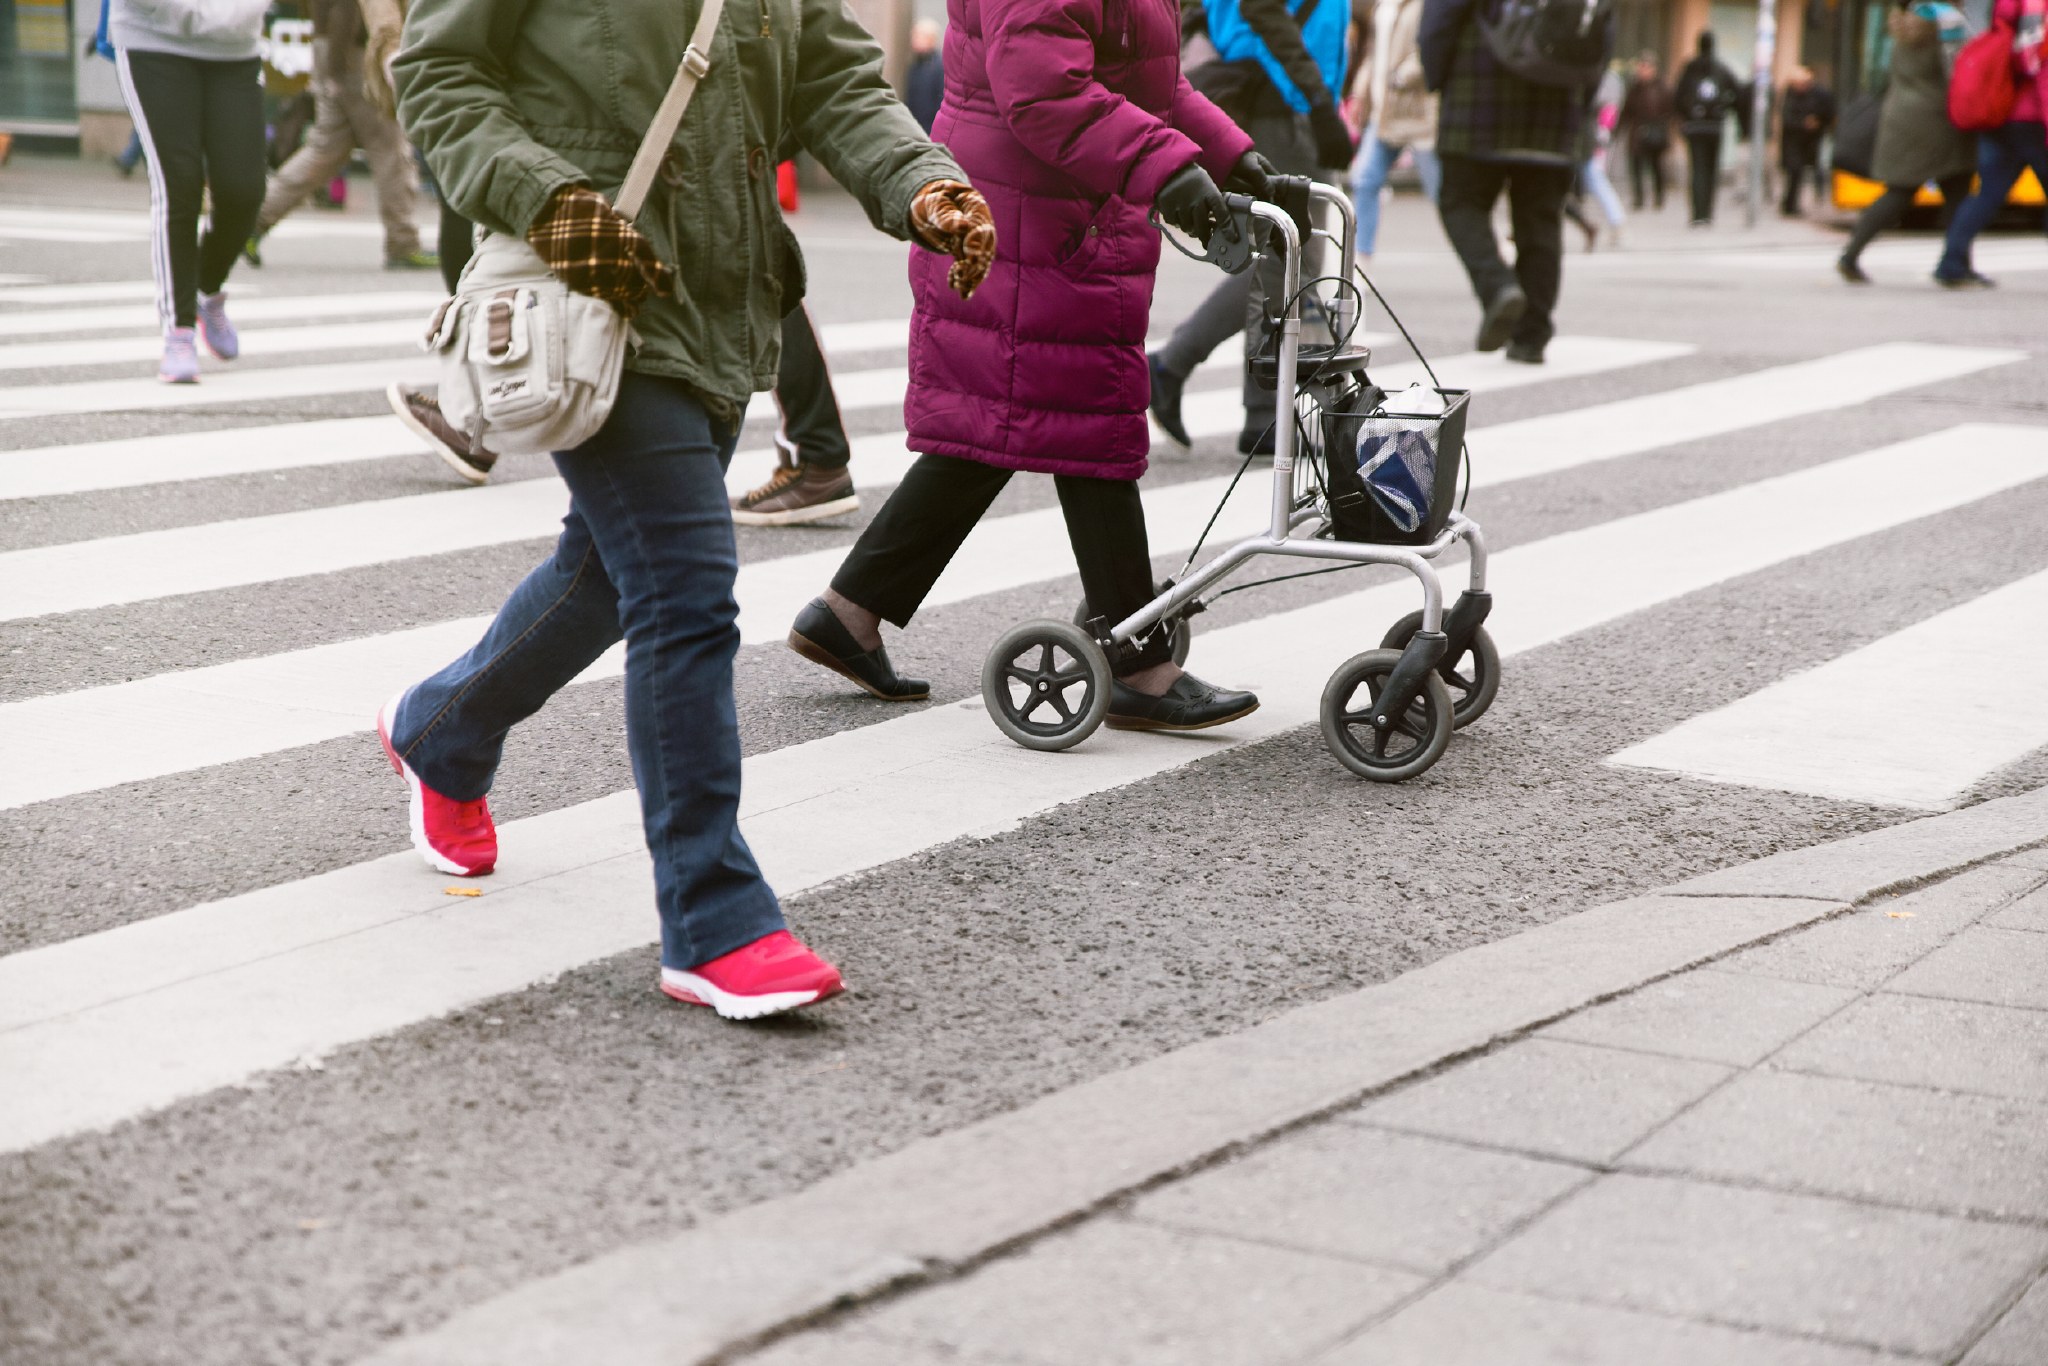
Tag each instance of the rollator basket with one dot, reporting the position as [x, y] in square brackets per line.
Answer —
[1393, 477]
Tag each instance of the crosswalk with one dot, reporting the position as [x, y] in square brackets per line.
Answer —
[104, 1026]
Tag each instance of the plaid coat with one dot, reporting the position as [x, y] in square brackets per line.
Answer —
[1487, 112]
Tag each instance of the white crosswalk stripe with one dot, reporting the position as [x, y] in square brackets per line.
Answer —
[101, 1028]
[141, 318]
[1912, 719]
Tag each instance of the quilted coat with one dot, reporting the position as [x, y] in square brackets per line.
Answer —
[1068, 115]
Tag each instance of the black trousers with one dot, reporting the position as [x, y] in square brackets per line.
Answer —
[914, 537]
[1887, 209]
[811, 428]
[454, 243]
[201, 124]
[1646, 161]
[1799, 157]
[1703, 159]
[1536, 195]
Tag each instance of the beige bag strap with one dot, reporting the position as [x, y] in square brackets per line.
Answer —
[660, 133]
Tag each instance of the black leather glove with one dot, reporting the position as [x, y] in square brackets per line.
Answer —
[1253, 175]
[1334, 146]
[1191, 202]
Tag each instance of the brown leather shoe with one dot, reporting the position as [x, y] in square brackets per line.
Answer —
[796, 494]
[421, 412]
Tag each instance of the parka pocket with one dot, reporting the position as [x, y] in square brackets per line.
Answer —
[1080, 250]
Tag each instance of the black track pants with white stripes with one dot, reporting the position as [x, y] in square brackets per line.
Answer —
[202, 129]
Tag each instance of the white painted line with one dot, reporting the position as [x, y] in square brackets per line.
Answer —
[142, 319]
[75, 236]
[100, 1029]
[125, 569]
[227, 385]
[130, 462]
[1541, 445]
[392, 334]
[1914, 719]
[92, 292]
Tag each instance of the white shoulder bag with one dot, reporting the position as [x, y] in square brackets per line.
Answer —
[528, 365]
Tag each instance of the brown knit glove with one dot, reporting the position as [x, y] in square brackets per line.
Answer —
[594, 251]
[951, 217]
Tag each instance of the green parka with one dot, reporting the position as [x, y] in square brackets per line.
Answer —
[509, 100]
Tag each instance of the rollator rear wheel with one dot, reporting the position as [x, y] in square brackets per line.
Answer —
[1178, 639]
[1473, 677]
[1046, 685]
[1413, 741]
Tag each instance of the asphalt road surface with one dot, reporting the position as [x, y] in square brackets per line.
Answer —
[1773, 542]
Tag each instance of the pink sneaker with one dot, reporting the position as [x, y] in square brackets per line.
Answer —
[773, 974]
[455, 837]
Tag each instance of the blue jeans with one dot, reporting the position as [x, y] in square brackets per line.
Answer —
[2001, 156]
[646, 551]
[1372, 178]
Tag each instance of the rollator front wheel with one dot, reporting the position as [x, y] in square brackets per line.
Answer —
[1408, 745]
[1046, 685]
[1178, 639]
[1473, 677]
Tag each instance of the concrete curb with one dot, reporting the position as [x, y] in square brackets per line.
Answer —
[943, 1204]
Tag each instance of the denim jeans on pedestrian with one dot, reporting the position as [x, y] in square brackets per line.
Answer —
[1373, 169]
[646, 552]
[2001, 155]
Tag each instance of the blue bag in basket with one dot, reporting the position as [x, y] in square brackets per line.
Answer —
[1399, 471]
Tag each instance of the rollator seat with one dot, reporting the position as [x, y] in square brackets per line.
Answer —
[1323, 361]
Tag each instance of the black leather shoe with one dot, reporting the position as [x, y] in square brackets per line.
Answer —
[819, 636]
[1505, 310]
[1166, 392]
[1256, 443]
[1190, 704]
[1527, 353]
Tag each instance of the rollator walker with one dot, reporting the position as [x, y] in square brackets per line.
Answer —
[1353, 483]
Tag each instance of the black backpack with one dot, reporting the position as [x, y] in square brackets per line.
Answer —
[1551, 42]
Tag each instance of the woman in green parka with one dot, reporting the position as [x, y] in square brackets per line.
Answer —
[529, 112]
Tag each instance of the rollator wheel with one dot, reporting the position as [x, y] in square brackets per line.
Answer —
[1177, 640]
[1046, 685]
[1415, 740]
[1473, 677]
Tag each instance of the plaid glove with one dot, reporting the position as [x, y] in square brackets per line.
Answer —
[594, 251]
[950, 217]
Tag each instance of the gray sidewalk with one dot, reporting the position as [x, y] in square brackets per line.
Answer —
[1831, 1148]
[1795, 1111]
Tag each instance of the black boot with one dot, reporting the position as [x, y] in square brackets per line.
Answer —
[819, 636]
[1166, 392]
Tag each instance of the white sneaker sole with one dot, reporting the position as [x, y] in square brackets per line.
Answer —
[817, 512]
[691, 989]
[394, 394]
[417, 812]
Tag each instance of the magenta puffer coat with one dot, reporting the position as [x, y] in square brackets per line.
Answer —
[1068, 115]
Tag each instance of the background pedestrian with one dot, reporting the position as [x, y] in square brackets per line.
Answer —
[2003, 153]
[344, 118]
[1645, 125]
[1915, 141]
[1498, 131]
[924, 85]
[1705, 94]
[1397, 112]
[811, 480]
[1276, 71]
[1805, 116]
[193, 81]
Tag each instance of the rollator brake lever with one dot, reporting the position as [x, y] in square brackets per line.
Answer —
[1230, 247]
